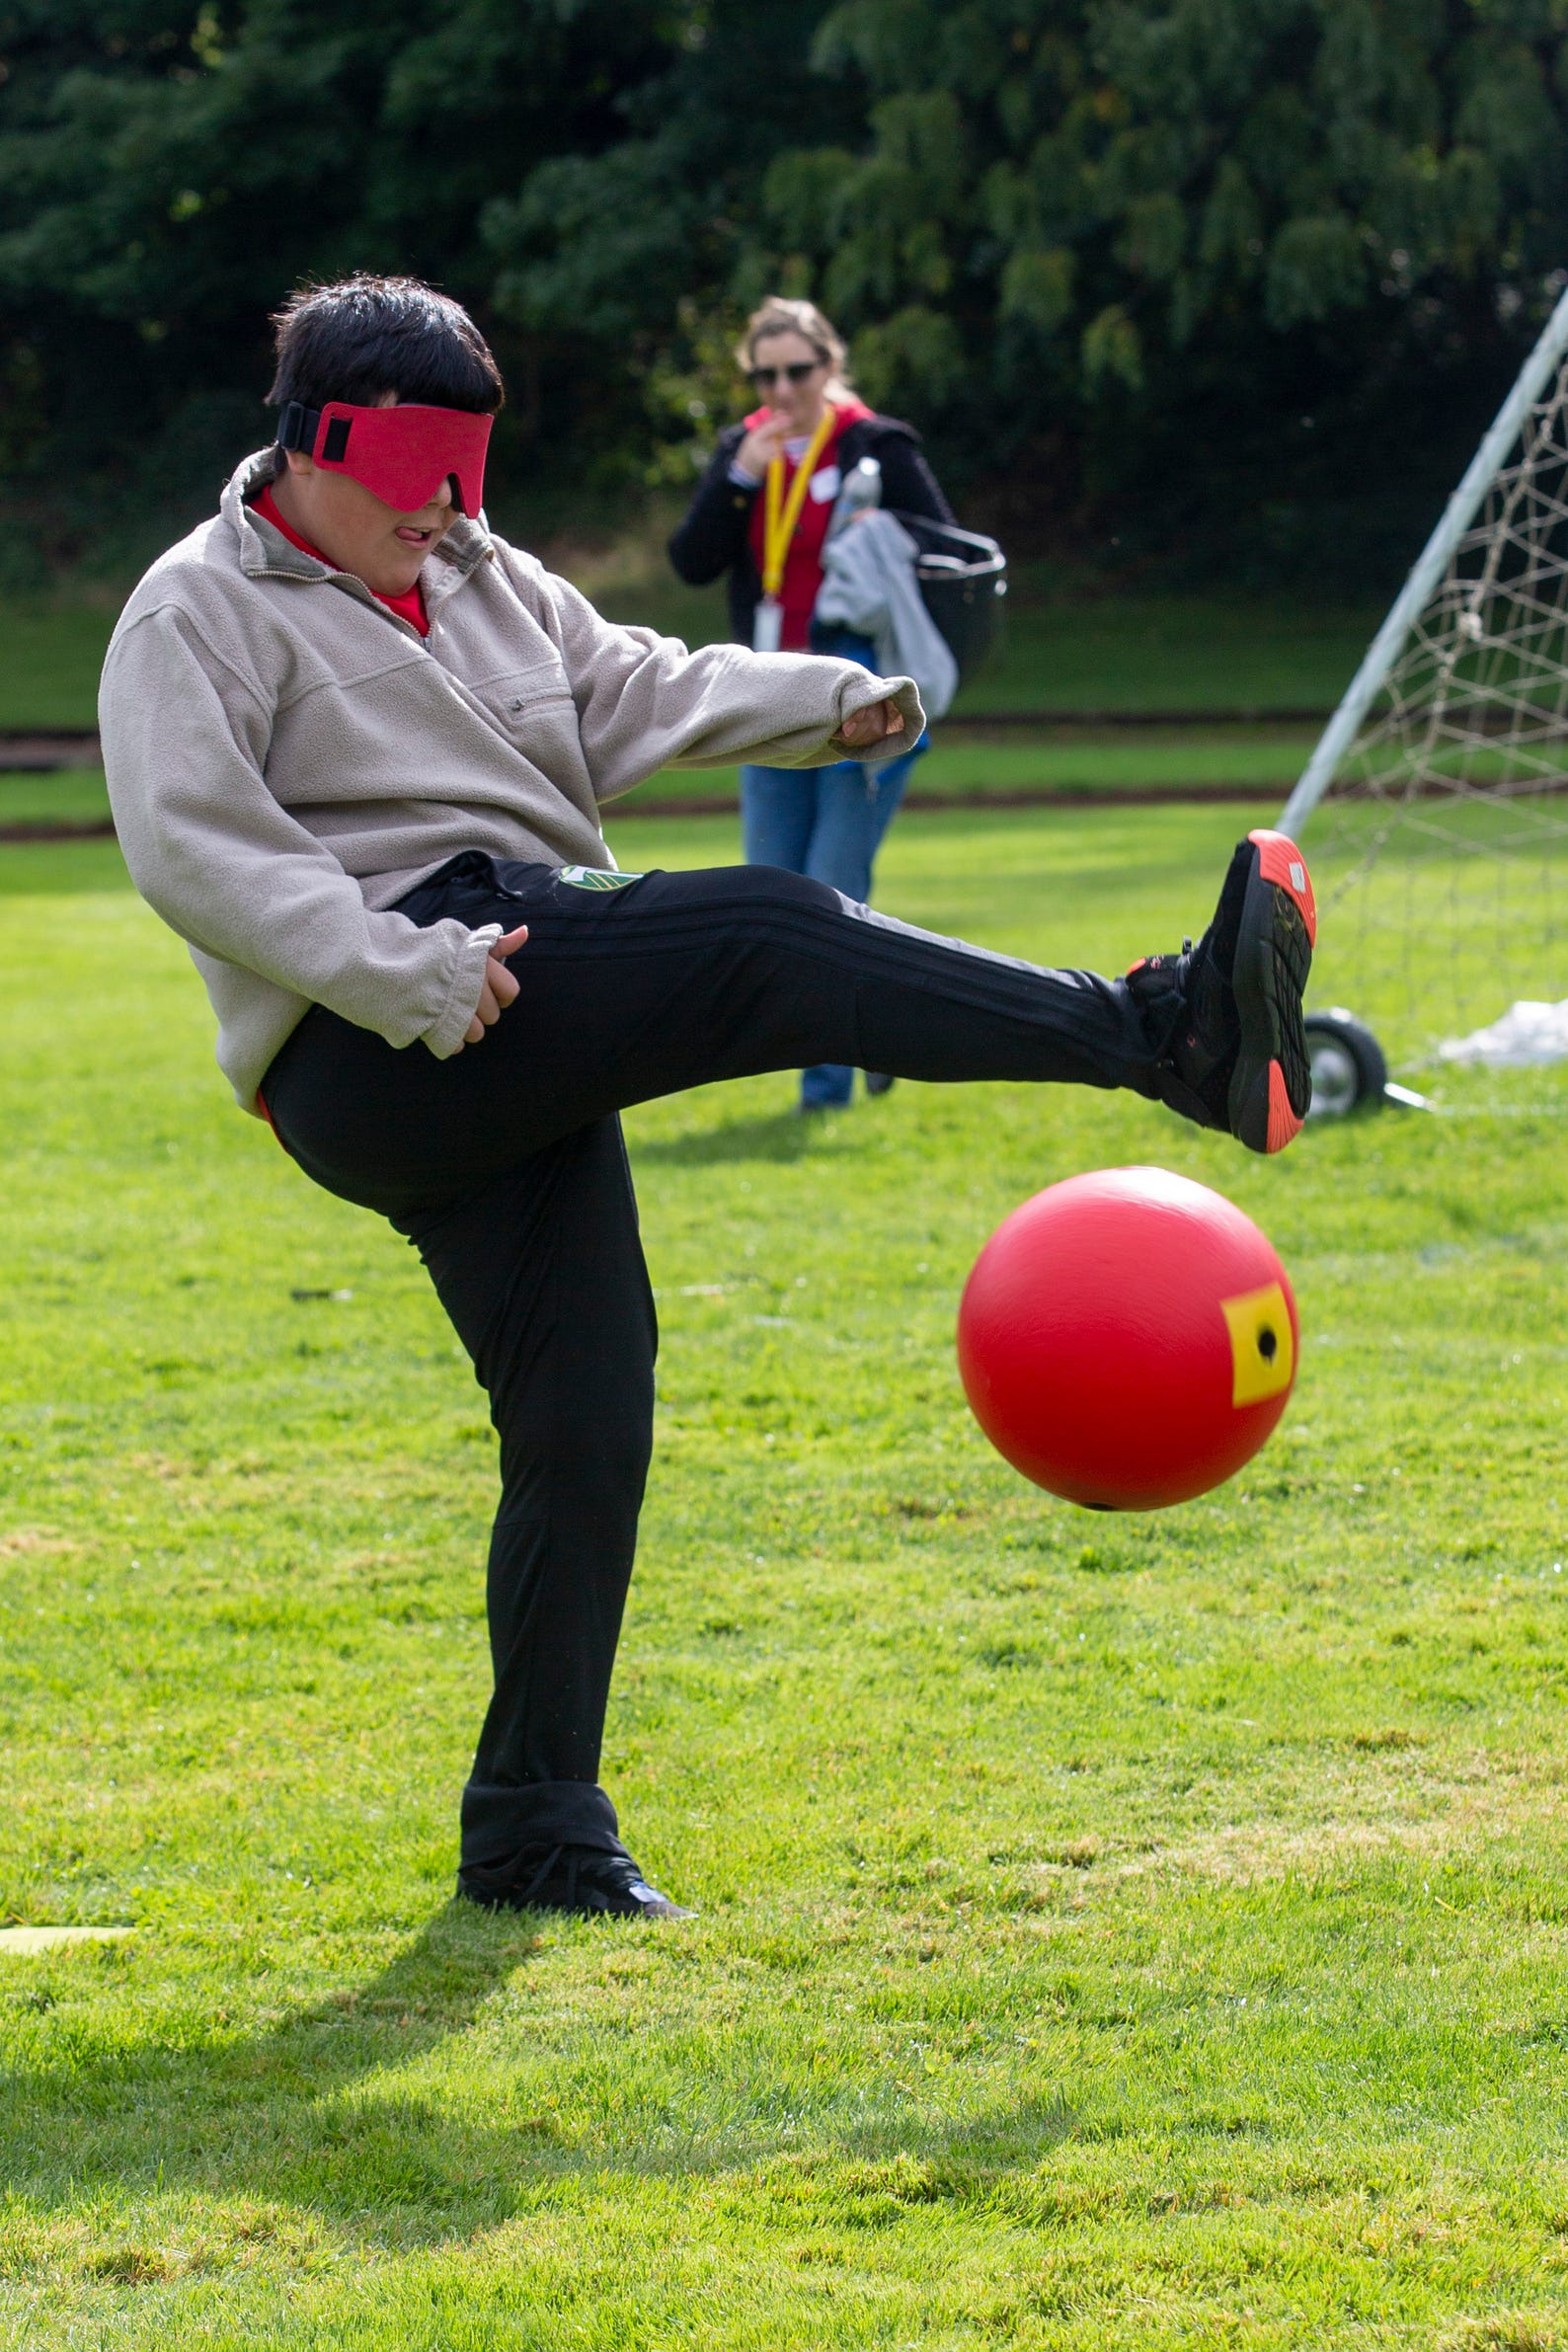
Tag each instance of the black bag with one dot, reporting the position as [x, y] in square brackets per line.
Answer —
[963, 578]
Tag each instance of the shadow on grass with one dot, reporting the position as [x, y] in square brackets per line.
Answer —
[285, 2114]
[782, 1137]
[317, 2114]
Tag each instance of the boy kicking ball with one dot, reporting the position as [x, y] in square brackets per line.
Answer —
[356, 747]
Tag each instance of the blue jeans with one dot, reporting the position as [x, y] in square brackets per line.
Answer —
[826, 823]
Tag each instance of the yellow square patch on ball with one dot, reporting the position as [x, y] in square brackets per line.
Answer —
[1262, 1347]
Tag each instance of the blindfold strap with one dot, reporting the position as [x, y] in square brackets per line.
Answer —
[298, 427]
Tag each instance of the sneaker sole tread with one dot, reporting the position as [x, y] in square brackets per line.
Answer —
[1271, 1085]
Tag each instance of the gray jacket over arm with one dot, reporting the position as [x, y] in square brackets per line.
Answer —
[286, 756]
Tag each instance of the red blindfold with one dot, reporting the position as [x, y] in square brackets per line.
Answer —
[403, 456]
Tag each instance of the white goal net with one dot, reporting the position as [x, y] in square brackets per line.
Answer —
[1435, 811]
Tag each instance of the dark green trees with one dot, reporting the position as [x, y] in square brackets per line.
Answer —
[1201, 253]
[1225, 272]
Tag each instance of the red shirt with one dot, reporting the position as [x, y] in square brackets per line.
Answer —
[410, 606]
[803, 565]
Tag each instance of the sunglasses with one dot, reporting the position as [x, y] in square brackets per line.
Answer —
[797, 373]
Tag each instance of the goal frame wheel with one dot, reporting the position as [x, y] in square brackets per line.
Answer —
[1349, 1070]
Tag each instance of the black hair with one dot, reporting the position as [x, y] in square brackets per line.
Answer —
[364, 337]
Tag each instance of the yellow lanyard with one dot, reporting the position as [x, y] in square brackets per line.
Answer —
[781, 514]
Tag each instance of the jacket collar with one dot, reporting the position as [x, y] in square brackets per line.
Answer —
[265, 553]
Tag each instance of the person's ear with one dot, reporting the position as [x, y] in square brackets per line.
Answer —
[299, 461]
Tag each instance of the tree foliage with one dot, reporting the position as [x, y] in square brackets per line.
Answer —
[1184, 268]
[170, 168]
[1302, 234]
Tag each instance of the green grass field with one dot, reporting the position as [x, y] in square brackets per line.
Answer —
[1063, 650]
[1097, 761]
[1115, 1934]
[1068, 648]
[62, 796]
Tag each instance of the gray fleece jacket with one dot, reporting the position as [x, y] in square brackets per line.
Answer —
[285, 757]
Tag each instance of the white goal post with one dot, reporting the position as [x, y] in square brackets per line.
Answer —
[1428, 572]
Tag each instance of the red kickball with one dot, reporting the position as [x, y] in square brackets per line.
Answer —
[1127, 1339]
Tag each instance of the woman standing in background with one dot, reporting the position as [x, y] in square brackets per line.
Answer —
[762, 513]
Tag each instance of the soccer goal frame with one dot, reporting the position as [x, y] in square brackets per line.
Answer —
[1427, 572]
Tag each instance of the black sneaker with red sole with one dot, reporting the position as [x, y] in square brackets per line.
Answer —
[1234, 1052]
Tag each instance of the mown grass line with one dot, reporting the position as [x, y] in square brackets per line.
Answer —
[1070, 650]
[1119, 1934]
[1143, 764]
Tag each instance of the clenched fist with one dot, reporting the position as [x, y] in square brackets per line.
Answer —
[870, 725]
[498, 990]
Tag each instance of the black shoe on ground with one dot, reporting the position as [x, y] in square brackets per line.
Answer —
[878, 1082]
[574, 1878]
[1235, 1053]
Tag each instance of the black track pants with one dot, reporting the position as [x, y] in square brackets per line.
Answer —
[505, 1166]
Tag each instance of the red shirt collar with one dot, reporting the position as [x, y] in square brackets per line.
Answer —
[410, 606]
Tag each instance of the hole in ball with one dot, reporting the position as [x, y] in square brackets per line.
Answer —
[1268, 1345]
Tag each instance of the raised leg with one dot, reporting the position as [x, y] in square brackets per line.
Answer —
[670, 982]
